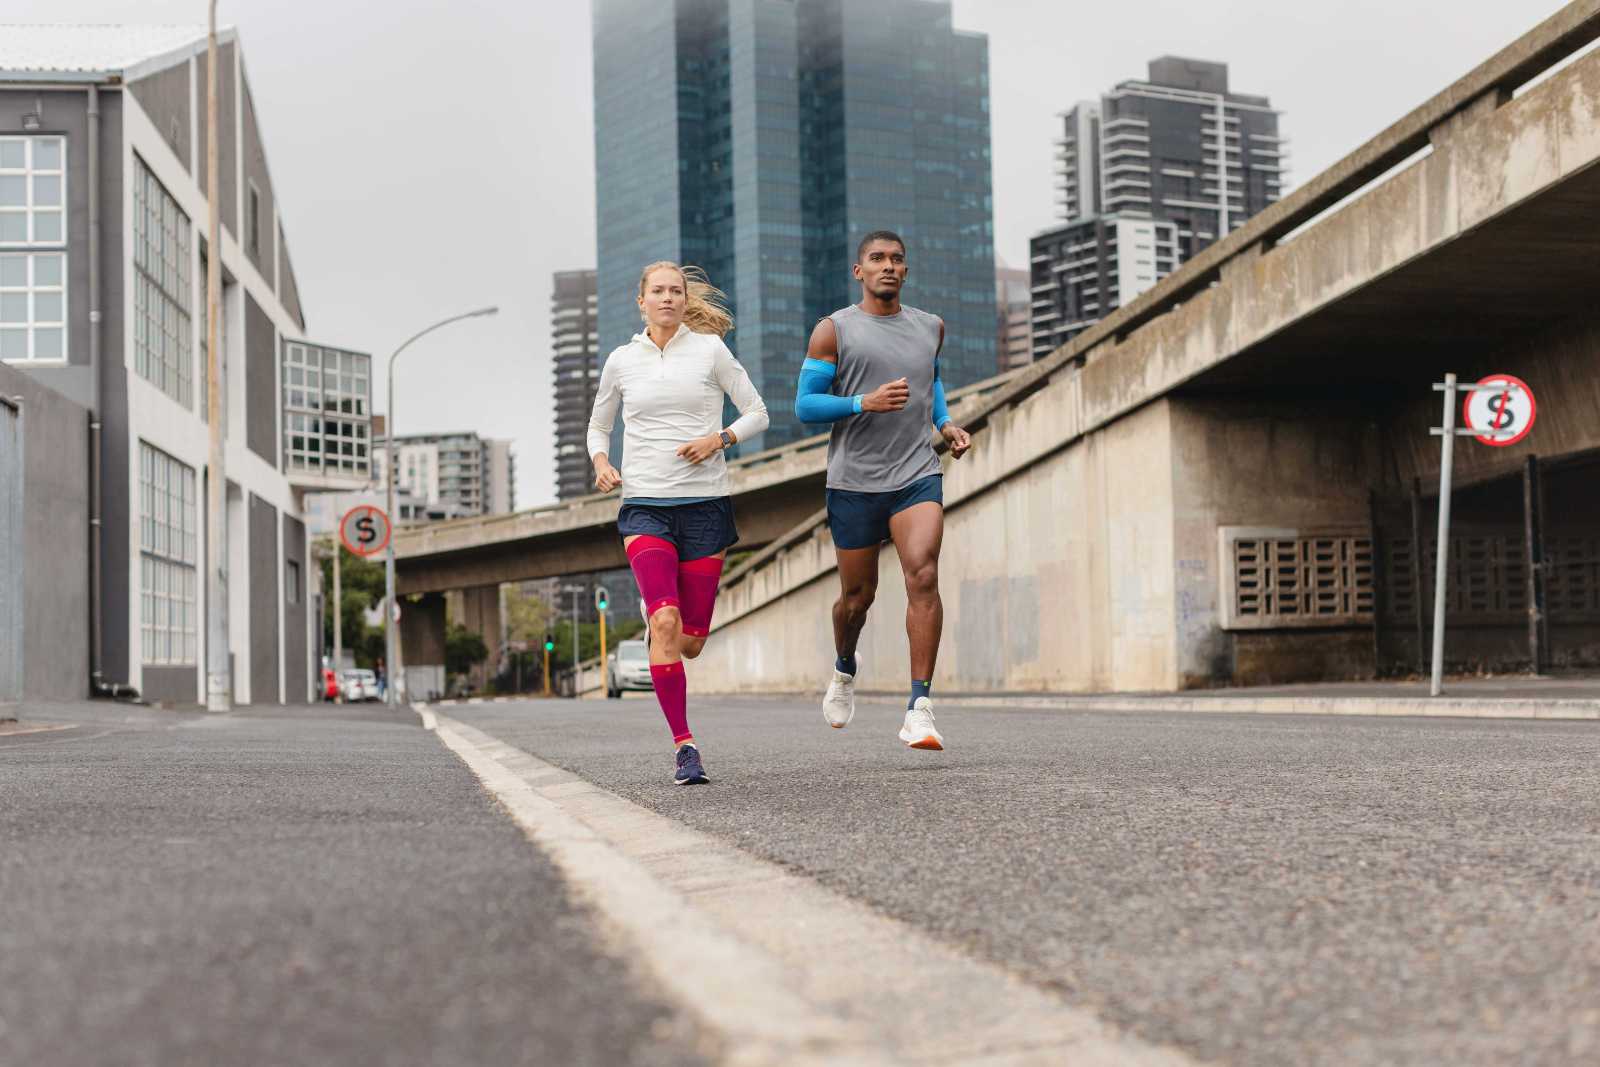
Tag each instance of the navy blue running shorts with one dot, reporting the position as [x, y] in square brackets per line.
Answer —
[861, 520]
[696, 530]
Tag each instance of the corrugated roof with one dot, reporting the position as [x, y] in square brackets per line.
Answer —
[67, 49]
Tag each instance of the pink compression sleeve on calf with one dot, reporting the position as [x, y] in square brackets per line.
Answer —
[697, 585]
[655, 568]
[672, 692]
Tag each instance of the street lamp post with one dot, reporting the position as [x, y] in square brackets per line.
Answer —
[391, 638]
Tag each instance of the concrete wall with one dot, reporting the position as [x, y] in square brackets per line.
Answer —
[265, 595]
[1296, 464]
[55, 545]
[1059, 578]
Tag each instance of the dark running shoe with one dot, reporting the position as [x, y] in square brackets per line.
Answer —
[690, 772]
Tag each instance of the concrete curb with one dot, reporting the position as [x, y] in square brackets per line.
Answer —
[1422, 707]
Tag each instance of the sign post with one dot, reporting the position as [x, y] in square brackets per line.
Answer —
[1498, 410]
[602, 601]
[338, 623]
[364, 530]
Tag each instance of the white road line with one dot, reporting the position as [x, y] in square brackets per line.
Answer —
[785, 971]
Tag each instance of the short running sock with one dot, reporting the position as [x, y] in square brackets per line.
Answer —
[672, 692]
[918, 691]
[846, 664]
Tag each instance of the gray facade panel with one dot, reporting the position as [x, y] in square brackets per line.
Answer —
[54, 547]
[288, 291]
[166, 97]
[264, 599]
[171, 685]
[298, 672]
[264, 252]
[260, 383]
[227, 138]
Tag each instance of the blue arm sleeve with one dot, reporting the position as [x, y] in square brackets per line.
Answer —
[941, 410]
[812, 400]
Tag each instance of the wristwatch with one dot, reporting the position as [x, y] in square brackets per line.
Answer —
[727, 439]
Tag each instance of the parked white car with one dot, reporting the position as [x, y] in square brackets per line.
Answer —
[628, 668]
[359, 685]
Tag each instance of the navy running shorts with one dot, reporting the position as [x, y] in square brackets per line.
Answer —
[696, 530]
[861, 520]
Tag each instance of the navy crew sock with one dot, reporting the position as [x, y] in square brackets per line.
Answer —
[918, 690]
[846, 664]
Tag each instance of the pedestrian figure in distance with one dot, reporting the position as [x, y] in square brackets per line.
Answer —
[677, 518]
[872, 370]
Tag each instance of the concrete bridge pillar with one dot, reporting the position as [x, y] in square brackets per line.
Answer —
[480, 613]
[422, 633]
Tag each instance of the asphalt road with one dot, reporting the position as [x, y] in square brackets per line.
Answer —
[1251, 889]
[313, 886]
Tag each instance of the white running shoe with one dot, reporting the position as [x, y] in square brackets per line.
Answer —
[839, 702]
[919, 731]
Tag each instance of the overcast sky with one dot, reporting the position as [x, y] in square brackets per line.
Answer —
[432, 157]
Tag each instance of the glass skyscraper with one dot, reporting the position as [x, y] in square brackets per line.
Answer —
[761, 139]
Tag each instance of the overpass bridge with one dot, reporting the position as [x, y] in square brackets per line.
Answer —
[1224, 481]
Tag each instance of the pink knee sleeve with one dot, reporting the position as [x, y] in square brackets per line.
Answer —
[655, 568]
[697, 585]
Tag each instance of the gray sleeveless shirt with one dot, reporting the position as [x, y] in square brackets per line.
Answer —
[882, 451]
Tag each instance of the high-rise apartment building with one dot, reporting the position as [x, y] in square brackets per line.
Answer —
[1013, 335]
[574, 336]
[762, 140]
[455, 475]
[1148, 175]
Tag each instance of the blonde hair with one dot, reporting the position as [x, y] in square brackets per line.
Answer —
[705, 308]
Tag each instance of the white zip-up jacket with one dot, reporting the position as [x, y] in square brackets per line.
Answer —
[668, 397]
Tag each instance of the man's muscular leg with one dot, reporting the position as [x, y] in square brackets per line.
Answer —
[858, 585]
[918, 532]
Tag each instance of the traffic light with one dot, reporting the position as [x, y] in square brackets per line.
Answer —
[549, 643]
[600, 600]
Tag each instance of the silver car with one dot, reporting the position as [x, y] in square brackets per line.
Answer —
[628, 668]
[359, 685]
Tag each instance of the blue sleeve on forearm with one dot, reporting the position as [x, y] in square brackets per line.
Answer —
[941, 410]
[813, 402]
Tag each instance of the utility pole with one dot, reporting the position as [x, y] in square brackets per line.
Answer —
[338, 623]
[219, 685]
[391, 637]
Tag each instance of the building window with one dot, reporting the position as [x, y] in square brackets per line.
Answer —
[291, 577]
[168, 554]
[327, 410]
[33, 191]
[162, 336]
[253, 222]
[33, 306]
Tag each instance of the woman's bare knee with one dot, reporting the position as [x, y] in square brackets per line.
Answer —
[666, 624]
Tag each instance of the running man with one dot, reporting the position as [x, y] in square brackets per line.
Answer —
[676, 520]
[872, 370]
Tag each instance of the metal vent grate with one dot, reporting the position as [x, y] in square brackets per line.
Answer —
[1487, 582]
[1290, 578]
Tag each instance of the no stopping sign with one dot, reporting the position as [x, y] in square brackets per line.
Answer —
[1501, 410]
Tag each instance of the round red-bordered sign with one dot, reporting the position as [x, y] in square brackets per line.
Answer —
[364, 530]
[1502, 409]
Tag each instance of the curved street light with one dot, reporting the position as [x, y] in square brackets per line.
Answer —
[391, 637]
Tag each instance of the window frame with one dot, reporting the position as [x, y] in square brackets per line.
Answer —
[169, 583]
[28, 172]
[30, 291]
[167, 312]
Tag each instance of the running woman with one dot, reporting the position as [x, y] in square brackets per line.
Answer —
[676, 520]
[872, 370]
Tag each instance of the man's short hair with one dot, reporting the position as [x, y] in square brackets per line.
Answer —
[879, 235]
